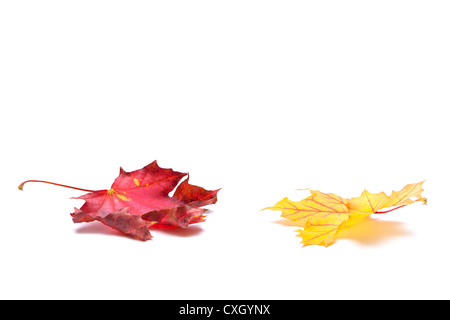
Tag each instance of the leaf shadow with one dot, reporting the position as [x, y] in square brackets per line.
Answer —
[96, 227]
[179, 232]
[374, 231]
[367, 232]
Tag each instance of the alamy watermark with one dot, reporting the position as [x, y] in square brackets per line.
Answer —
[228, 309]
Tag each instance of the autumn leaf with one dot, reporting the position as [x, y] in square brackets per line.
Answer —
[403, 197]
[321, 229]
[138, 200]
[315, 205]
[325, 214]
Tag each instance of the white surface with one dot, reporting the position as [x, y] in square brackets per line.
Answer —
[255, 97]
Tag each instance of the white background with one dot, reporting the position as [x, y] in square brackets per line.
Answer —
[258, 98]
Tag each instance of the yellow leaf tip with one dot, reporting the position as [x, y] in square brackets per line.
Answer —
[21, 186]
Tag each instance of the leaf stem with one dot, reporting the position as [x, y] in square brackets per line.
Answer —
[424, 200]
[56, 184]
[380, 212]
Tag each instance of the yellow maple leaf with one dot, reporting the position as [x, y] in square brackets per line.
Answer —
[403, 197]
[327, 213]
[322, 230]
[364, 205]
[323, 213]
[316, 205]
[330, 197]
[368, 202]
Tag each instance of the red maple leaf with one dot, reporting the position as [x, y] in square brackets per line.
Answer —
[140, 199]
